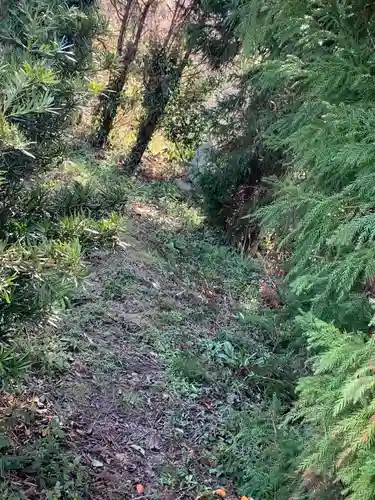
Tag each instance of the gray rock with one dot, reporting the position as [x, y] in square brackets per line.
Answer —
[185, 186]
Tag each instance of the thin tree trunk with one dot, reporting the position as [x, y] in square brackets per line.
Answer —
[145, 133]
[123, 27]
[110, 98]
[150, 122]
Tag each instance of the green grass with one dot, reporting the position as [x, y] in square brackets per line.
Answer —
[120, 285]
[51, 470]
[169, 323]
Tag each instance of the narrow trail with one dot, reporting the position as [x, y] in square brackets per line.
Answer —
[140, 408]
[148, 381]
[131, 409]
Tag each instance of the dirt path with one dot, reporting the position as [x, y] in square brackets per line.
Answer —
[128, 421]
[140, 397]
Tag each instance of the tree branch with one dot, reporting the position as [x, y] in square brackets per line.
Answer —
[124, 25]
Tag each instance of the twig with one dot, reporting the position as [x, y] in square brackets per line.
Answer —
[185, 490]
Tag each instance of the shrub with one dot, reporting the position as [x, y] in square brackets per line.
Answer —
[44, 55]
[323, 210]
[45, 51]
[185, 122]
[338, 398]
[317, 59]
[41, 258]
[261, 453]
[232, 183]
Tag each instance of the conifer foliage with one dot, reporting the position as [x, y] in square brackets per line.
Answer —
[302, 117]
[337, 402]
[322, 56]
[314, 62]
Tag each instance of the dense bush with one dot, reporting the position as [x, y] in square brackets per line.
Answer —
[316, 59]
[262, 452]
[232, 184]
[323, 212]
[45, 53]
[185, 123]
[337, 402]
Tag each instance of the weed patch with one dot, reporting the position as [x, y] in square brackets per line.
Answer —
[162, 354]
[33, 446]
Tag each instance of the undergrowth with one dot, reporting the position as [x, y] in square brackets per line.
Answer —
[272, 382]
[231, 363]
[292, 167]
[233, 354]
[51, 231]
[33, 446]
[56, 225]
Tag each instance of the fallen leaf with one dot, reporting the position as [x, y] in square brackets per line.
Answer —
[221, 492]
[139, 449]
[97, 463]
[140, 489]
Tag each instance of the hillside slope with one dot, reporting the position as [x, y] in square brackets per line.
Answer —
[139, 381]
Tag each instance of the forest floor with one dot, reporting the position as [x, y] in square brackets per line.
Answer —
[131, 393]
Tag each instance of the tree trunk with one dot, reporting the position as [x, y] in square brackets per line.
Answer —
[110, 98]
[145, 133]
[150, 122]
